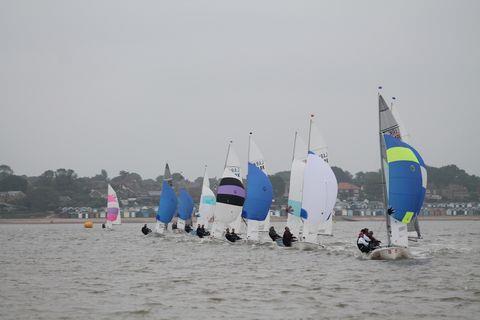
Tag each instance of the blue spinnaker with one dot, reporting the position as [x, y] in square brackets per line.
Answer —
[168, 203]
[407, 176]
[185, 205]
[259, 194]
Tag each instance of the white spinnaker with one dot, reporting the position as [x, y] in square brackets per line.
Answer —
[207, 202]
[294, 221]
[320, 189]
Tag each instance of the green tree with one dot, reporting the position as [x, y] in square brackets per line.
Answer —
[342, 176]
[13, 183]
[43, 198]
[5, 171]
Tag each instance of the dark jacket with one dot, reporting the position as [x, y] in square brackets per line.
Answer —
[273, 234]
[287, 238]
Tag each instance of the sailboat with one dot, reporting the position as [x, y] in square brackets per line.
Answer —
[230, 195]
[404, 177]
[185, 208]
[320, 189]
[168, 203]
[207, 202]
[113, 208]
[295, 192]
[390, 124]
[259, 195]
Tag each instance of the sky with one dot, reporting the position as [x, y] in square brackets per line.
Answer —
[129, 85]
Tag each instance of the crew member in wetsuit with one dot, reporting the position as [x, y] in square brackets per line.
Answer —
[174, 225]
[288, 238]
[188, 228]
[205, 232]
[362, 243]
[273, 234]
[234, 235]
[146, 230]
[200, 232]
[103, 225]
[228, 235]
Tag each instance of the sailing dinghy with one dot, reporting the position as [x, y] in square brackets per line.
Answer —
[113, 208]
[259, 196]
[404, 177]
[320, 189]
[167, 205]
[185, 209]
[391, 124]
[230, 195]
[295, 192]
[207, 203]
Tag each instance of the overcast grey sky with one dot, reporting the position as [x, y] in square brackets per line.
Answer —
[130, 84]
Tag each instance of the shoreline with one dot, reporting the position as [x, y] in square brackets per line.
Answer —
[52, 220]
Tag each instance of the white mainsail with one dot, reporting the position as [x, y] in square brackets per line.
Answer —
[294, 220]
[207, 202]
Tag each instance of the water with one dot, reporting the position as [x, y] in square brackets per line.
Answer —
[68, 272]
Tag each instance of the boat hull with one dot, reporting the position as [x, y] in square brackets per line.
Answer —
[390, 253]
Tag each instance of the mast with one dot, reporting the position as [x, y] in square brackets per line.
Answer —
[228, 152]
[249, 142]
[294, 145]
[310, 131]
[382, 166]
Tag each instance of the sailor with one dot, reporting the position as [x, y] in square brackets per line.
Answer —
[273, 234]
[200, 232]
[146, 230]
[205, 232]
[234, 235]
[174, 225]
[374, 243]
[103, 225]
[288, 238]
[362, 244]
[188, 228]
[228, 235]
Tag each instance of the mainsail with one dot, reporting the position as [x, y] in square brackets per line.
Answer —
[406, 184]
[390, 124]
[295, 192]
[259, 192]
[185, 206]
[168, 202]
[207, 202]
[320, 188]
[230, 194]
[113, 208]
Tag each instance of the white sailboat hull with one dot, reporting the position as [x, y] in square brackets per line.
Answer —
[390, 253]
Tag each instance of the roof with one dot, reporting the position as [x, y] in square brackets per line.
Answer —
[347, 186]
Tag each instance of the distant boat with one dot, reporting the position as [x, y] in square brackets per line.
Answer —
[230, 195]
[320, 189]
[295, 192]
[390, 124]
[259, 195]
[207, 202]
[185, 209]
[113, 208]
[405, 179]
[168, 203]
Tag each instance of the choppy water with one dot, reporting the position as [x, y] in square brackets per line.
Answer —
[68, 272]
